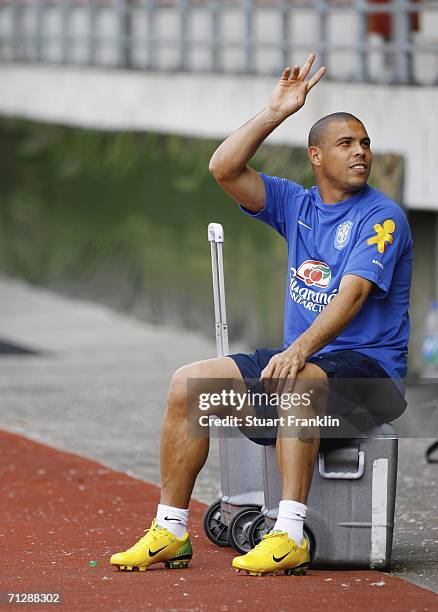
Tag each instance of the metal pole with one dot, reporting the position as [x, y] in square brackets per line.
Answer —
[248, 7]
[124, 33]
[401, 20]
[321, 7]
[92, 35]
[362, 16]
[224, 324]
[215, 65]
[216, 238]
[285, 26]
[183, 10]
[216, 301]
[151, 38]
[39, 28]
[65, 6]
[16, 42]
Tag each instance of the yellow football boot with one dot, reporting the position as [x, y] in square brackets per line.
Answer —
[274, 554]
[157, 546]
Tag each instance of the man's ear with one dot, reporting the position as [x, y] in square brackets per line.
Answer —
[314, 154]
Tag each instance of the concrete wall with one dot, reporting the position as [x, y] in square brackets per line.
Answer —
[401, 120]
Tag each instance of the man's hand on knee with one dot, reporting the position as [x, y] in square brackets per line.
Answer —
[280, 374]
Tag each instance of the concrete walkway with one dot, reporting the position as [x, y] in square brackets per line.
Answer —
[97, 387]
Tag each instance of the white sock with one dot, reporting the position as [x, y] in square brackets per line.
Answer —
[174, 520]
[291, 515]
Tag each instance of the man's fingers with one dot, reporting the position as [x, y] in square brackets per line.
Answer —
[276, 374]
[266, 375]
[307, 66]
[295, 73]
[269, 375]
[282, 380]
[267, 372]
[316, 77]
[291, 379]
[286, 74]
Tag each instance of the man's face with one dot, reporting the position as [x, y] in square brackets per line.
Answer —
[345, 155]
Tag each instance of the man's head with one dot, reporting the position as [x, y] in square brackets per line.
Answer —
[339, 151]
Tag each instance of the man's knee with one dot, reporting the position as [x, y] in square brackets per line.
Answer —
[209, 376]
[191, 380]
[311, 372]
[179, 385]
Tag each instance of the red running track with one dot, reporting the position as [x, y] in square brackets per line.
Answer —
[60, 511]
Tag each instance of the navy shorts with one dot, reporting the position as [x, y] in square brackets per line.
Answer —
[361, 393]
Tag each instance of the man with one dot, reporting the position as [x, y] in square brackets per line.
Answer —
[350, 254]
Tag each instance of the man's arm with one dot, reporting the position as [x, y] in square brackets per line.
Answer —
[336, 316]
[229, 162]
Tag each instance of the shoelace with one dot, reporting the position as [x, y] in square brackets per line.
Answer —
[151, 535]
[269, 542]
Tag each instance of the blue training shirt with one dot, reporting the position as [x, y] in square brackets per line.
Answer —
[367, 235]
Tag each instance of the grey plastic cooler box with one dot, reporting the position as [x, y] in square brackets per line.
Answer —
[350, 513]
[241, 464]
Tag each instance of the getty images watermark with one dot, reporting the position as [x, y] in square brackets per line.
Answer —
[248, 402]
[343, 408]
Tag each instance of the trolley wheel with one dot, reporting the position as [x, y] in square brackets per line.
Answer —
[309, 535]
[258, 529]
[215, 530]
[239, 526]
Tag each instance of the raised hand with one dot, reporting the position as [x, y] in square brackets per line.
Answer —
[290, 92]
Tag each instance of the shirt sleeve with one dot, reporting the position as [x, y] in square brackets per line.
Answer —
[279, 192]
[383, 241]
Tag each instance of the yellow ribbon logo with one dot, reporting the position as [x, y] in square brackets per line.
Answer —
[383, 235]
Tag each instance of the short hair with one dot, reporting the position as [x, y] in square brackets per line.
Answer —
[317, 132]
